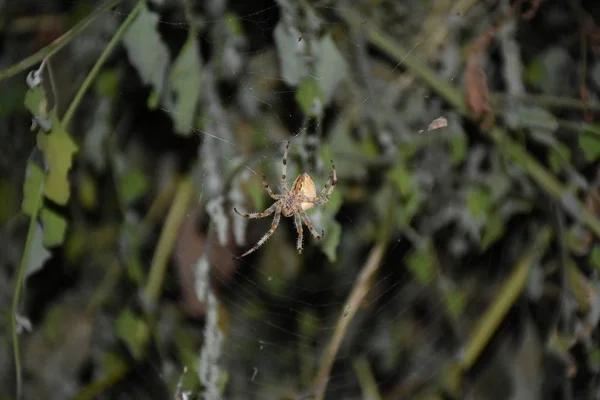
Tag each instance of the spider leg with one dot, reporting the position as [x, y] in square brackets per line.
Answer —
[268, 189]
[284, 166]
[263, 214]
[310, 226]
[331, 183]
[298, 223]
[267, 235]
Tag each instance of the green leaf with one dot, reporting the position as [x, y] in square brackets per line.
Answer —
[459, 143]
[58, 148]
[331, 240]
[593, 359]
[456, 302]
[535, 117]
[107, 84]
[55, 227]
[331, 67]
[38, 254]
[479, 202]
[310, 98]
[558, 156]
[146, 50]
[494, 229]
[293, 65]
[308, 323]
[411, 205]
[534, 73]
[130, 240]
[88, 192]
[234, 24]
[421, 264]
[32, 189]
[134, 332]
[133, 184]
[222, 381]
[186, 84]
[153, 100]
[590, 146]
[401, 178]
[113, 364]
[369, 146]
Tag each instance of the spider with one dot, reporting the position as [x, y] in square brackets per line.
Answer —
[295, 201]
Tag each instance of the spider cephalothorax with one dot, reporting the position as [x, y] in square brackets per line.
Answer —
[293, 202]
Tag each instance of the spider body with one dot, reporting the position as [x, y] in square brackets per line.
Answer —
[293, 202]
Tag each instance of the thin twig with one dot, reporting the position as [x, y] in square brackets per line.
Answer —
[505, 299]
[18, 290]
[100, 63]
[57, 44]
[168, 236]
[359, 292]
[357, 296]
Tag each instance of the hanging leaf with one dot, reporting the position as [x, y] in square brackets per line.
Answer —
[559, 156]
[58, 148]
[401, 179]
[459, 143]
[36, 102]
[107, 84]
[186, 82]
[590, 144]
[32, 189]
[532, 117]
[134, 332]
[331, 240]
[146, 50]
[331, 68]
[55, 227]
[479, 202]
[292, 62]
[310, 98]
[133, 184]
[493, 230]
[421, 264]
[38, 254]
[455, 301]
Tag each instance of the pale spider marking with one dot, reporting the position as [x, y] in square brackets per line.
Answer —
[293, 202]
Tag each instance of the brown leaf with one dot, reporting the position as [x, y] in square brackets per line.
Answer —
[191, 244]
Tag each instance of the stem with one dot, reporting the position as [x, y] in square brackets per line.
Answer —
[357, 295]
[168, 236]
[101, 60]
[18, 290]
[505, 299]
[57, 44]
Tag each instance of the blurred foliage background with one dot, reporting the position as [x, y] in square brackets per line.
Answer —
[461, 254]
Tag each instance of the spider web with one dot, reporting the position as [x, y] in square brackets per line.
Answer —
[282, 308]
